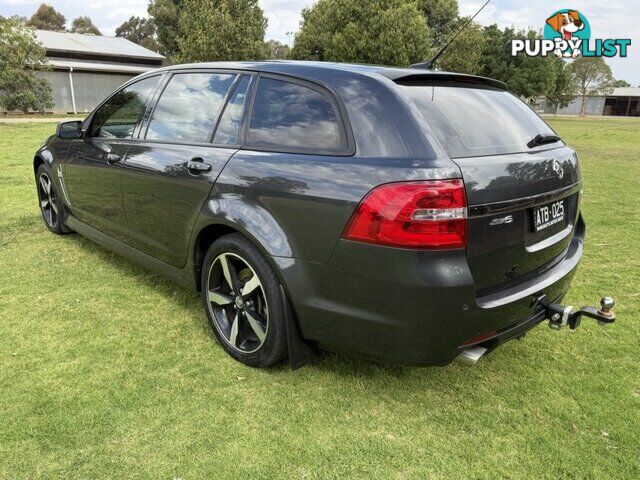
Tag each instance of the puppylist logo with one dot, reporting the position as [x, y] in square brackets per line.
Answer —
[567, 33]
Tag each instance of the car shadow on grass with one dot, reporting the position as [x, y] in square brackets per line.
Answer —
[159, 284]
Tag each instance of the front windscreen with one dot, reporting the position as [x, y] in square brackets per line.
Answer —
[471, 122]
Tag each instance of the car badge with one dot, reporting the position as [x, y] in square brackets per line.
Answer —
[558, 169]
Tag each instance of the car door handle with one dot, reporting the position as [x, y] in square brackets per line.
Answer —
[198, 166]
[112, 158]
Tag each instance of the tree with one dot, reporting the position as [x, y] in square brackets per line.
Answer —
[20, 56]
[84, 25]
[276, 50]
[211, 30]
[442, 18]
[591, 76]
[620, 84]
[47, 18]
[464, 55]
[525, 76]
[165, 15]
[387, 32]
[141, 31]
[562, 90]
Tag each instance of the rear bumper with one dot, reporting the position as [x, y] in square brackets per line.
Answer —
[509, 332]
[413, 307]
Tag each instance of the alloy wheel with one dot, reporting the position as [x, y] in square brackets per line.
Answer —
[238, 303]
[48, 200]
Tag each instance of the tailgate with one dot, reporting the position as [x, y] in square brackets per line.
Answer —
[514, 233]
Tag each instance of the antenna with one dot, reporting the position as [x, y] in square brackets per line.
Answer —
[429, 63]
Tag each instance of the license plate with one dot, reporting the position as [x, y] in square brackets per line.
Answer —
[548, 215]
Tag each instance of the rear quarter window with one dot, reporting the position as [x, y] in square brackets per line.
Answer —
[471, 122]
[288, 116]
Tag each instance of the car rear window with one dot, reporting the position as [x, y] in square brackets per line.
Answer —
[471, 122]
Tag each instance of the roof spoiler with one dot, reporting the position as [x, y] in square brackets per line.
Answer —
[431, 78]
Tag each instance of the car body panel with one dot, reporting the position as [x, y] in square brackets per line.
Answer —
[162, 198]
[311, 198]
[499, 178]
[94, 185]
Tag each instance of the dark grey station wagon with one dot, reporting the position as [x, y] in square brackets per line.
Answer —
[402, 214]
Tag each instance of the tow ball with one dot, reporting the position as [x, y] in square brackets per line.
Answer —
[560, 316]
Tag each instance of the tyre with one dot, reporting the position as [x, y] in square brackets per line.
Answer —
[50, 203]
[241, 296]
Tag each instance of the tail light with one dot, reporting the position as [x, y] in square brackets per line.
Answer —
[426, 214]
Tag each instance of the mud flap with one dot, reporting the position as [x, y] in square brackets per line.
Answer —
[300, 352]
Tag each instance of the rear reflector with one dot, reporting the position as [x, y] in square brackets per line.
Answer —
[427, 214]
[480, 338]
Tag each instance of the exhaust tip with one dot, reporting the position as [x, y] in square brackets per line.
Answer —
[470, 356]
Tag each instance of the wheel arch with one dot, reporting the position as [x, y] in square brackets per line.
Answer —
[208, 233]
[226, 213]
[37, 161]
[205, 237]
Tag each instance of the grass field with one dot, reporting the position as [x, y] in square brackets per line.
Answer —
[108, 371]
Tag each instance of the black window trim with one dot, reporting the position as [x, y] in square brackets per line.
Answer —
[88, 122]
[144, 121]
[144, 127]
[346, 133]
[253, 76]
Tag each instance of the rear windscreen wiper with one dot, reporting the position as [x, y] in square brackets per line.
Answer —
[543, 139]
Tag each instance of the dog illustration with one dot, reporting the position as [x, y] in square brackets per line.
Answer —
[566, 24]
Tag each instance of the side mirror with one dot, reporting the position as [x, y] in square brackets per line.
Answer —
[69, 130]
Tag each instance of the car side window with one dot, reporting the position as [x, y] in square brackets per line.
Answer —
[118, 116]
[291, 116]
[228, 131]
[189, 107]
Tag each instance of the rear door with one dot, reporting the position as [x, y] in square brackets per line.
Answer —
[523, 197]
[169, 172]
[93, 169]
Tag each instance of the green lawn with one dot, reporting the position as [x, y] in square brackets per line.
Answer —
[107, 370]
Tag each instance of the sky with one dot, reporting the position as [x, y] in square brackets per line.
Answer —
[608, 18]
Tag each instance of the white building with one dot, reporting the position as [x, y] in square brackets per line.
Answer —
[86, 68]
[621, 102]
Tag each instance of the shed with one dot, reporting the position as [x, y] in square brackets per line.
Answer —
[87, 68]
[621, 102]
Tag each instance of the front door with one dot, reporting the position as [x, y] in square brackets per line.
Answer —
[93, 170]
[94, 184]
[168, 175]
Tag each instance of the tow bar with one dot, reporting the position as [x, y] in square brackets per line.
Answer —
[560, 316]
